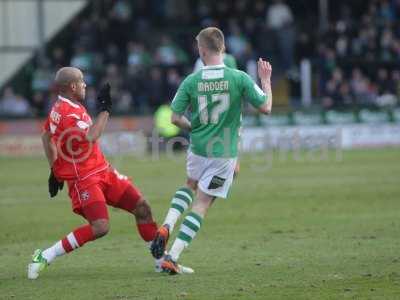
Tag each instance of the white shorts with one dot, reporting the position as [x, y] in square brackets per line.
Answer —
[214, 175]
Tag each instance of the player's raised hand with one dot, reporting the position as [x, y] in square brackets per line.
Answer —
[54, 185]
[104, 98]
[264, 70]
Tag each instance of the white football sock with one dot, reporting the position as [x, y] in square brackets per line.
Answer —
[171, 218]
[177, 249]
[180, 202]
[51, 253]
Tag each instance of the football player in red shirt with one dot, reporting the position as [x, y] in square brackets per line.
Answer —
[70, 141]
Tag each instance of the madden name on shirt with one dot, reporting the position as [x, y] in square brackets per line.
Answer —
[222, 85]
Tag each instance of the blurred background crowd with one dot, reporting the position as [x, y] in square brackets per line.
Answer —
[144, 48]
[358, 56]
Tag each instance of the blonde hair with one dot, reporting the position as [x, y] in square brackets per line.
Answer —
[211, 38]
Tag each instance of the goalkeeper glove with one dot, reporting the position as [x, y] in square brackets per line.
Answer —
[104, 98]
[54, 185]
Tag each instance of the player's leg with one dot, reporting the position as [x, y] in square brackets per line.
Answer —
[148, 230]
[181, 201]
[237, 165]
[188, 230]
[183, 197]
[133, 202]
[214, 182]
[144, 219]
[95, 212]
[237, 169]
[120, 192]
[124, 195]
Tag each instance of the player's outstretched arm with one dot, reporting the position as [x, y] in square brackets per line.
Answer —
[105, 104]
[181, 121]
[264, 73]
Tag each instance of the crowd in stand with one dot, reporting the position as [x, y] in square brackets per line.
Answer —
[144, 48]
[359, 57]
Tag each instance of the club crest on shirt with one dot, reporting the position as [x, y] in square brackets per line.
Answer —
[85, 195]
[82, 124]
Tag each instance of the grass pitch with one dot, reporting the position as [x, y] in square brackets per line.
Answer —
[293, 228]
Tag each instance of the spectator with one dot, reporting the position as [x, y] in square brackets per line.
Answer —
[138, 58]
[386, 13]
[155, 86]
[342, 46]
[386, 42]
[169, 54]
[114, 76]
[122, 11]
[346, 98]
[42, 78]
[85, 61]
[236, 42]
[14, 105]
[173, 81]
[280, 20]
[384, 82]
[87, 34]
[359, 85]
[90, 100]
[113, 55]
[259, 10]
[279, 15]
[396, 80]
[125, 102]
[58, 58]
[40, 103]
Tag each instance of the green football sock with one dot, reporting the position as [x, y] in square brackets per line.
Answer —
[181, 201]
[189, 228]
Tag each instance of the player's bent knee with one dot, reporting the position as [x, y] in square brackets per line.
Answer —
[199, 209]
[192, 184]
[202, 203]
[100, 228]
[143, 210]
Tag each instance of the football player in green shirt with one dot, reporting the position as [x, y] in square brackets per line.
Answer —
[229, 61]
[214, 95]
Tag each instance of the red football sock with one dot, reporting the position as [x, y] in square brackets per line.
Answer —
[78, 238]
[147, 231]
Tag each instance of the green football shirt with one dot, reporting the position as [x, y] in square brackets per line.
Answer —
[214, 95]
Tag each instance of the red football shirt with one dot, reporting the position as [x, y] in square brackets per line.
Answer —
[77, 158]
